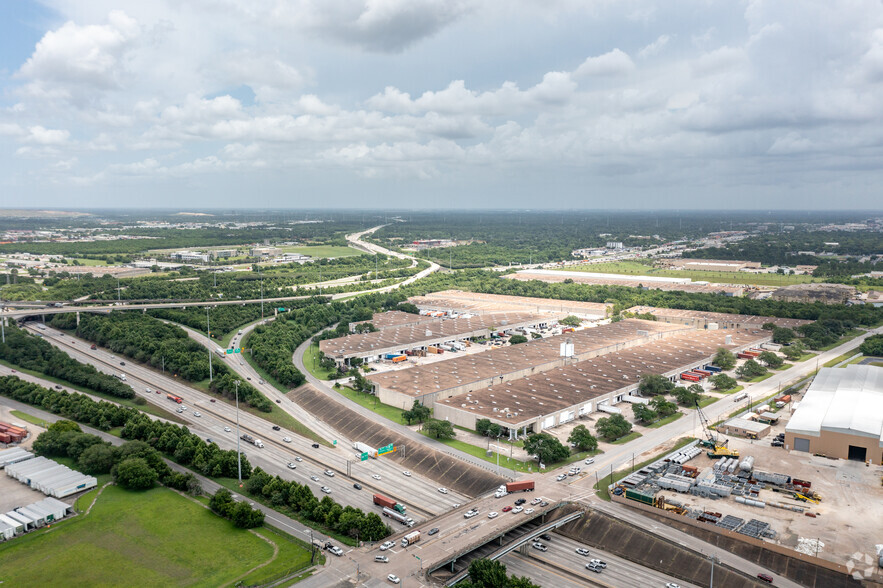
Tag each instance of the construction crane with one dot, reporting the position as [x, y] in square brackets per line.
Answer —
[717, 444]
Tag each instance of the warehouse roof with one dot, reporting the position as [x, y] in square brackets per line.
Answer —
[746, 425]
[842, 400]
[623, 280]
[395, 318]
[467, 369]
[480, 302]
[719, 317]
[408, 336]
[521, 401]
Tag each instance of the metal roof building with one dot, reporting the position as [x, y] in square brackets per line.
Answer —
[841, 415]
[14, 455]
[50, 478]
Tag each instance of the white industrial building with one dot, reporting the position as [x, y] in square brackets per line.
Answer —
[33, 516]
[14, 455]
[50, 478]
[841, 415]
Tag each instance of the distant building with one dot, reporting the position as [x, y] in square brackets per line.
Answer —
[191, 256]
[223, 253]
[614, 245]
[265, 251]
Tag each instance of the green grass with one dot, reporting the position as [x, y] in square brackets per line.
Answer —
[145, 408]
[640, 269]
[840, 358]
[293, 557]
[322, 251]
[708, 400]
[152, 538]
[877, 363]
[602, 483]
[733, 390]
[760, 378]
[29, 418]
[233, 485]
[805, 357]
[631, 436]
[848, 336]
[373, 404]
[784, 367]
[87, 261]
[481, 453]
[664, 421]
[311, 362]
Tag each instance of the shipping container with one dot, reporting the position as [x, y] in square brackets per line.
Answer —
[399, 358]
[522, 486]
[702, 373]
[690, 377]
[712, 368]
[640, 496]
[382, 500]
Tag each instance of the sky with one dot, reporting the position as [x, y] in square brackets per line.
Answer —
[543, 104]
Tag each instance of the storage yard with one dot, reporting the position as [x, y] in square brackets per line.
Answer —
[458, 301]
[648, 282]
[560, 395]
[465, 373]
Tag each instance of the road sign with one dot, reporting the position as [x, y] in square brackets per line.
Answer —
[334, 442]
[364, 457]
[280, 309]
[386, 449]
[238, 350]
[228, 351]
[231, 350]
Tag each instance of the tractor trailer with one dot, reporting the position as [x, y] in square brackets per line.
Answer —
[397, 516]
[411, 538]
[381, 500]
[522, 486]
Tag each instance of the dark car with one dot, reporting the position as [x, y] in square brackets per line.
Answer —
[210, 399]
[765, 578]
[248, 378]
[357, 486]
[546, 537]
[544, 504]
[520, 501]
[315, 446]
[57, 387]
[122, 363]
[433, 531]
[777, 443]
[277, 428]
[278, 401]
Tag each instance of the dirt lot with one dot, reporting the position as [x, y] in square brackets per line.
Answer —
[848, 518]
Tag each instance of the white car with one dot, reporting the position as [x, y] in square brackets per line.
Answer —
[672, 585]
[528, 511]
[492, 515]
[590, 460]
[536, 501]
[314, 478]
[406, 473]
[517, 509]
[329, 473]
[582, 551]
[455, 505]
[196, 414]
[560, 477]
[539, 546]
[597, 563]
[387, 545]
[443, 490]
[469, 514]
[292, 465]
[325, 489]
[228, 429]
[286, 439]
[393, 578]
[375, 476]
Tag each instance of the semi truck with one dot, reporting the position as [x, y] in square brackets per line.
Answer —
[522, 486]
[220, 352]
[120, 377]
[174, 398]
[381, 500]
[247, 438]
[364, 448]
[397, 516]
[411, 538]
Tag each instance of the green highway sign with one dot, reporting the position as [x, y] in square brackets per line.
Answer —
[229, 351]
[386, 449]
[334, 442]
[364, 457]
[280, 309]
[238, 350]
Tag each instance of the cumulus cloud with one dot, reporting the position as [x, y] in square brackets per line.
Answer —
[613, 63]
[654, 47]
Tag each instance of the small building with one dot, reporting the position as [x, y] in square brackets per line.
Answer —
[223, 253]
[768, 417]
[740, 427]
[265, 251]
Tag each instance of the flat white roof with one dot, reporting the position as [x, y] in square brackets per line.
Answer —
[842, 400]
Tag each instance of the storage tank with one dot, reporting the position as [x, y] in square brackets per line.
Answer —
[747, 464]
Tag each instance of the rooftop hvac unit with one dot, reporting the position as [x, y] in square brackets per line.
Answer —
[428, 333]
[728, 340]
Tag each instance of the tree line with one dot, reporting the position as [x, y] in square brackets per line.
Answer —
[35, 353]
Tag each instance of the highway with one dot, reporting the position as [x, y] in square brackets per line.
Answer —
[419, 494]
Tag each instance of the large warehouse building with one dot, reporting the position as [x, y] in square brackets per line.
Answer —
[451, 301]
[558, 396]
[646, 282]
[841, 415]
[428, 383]
[721, 320]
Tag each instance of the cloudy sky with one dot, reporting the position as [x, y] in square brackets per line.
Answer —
[441, 103]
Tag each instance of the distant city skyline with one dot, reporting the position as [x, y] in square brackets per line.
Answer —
[441, 104]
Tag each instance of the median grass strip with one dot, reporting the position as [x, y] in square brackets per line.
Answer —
[145, 408]
[602, 483]
[738, 388]
[664, 421]
[151, 538]
[805, 357]
[848, 336]
[373, 404]
[841, 358]
[311, 362]
[708, 400]
[760, 378]
[630, 437]
[29, 418]
[475, 451]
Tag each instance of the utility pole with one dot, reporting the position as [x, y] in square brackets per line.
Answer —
[208, 335]
[238, 452]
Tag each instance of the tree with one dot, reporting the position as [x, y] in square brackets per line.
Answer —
[135, 474]
[724, 359]
[770, 359]
[439, 429]
[417, 413]
[570, 321]
[246, 517]
[654, 385]
[782, 335]
[97, 459]
[688, 396]
[407, 307]
[63, 426]
[795, 351]
[488, 574]
[516, 339]
[750, 369]
[644, 413]
[546, 448]
[873, 345]
[722, 382]
[768, 326]
[663, 406]
[583, 439]
[613, 427]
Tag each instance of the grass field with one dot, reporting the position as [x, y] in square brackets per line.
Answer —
[664, 421]
[630, 437]
[28, 418]
[708, 400]
[152, 538]
[146, 408]
[805, 357]
[738, 388]
[760, 378]
[311, 362]
[481, 453]
[372, 403]
[841, 358]
[639, 269]
[322, 251]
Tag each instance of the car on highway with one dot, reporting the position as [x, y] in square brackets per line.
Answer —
[387, 545]
[517, 509]
[493, 514]
[765, 578]
[561, 477]
[594, 568]
[672, 585]
[315, 446]
[381, 559]
[209, 440]
[544, 504]
[325, 489]
[598, 562]
[122, 363]
[286, 439]
[277, 428]
[590, 461]
[298, 458]
[357, 486]
[546, 537]
[507, 508]
[433, 531]
[179, 410]
[443, 490]
[455, 505]
[406, 473]
[210, 399]
[57, 387]
[539, 546]
[336, 550]
[520, 501]
[582, 551]
[536, 501]
[148, 390]
[329, 473]
[529, 511]
[314, 478]
[197, 414]
[227, 429]
[393, 578]
[183, 408]
[375, 476]
[248, 378]
[469, 514]
[292, 465]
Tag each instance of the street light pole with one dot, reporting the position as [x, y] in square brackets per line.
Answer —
[238, 452]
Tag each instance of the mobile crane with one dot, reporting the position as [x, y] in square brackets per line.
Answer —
[716, 444]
